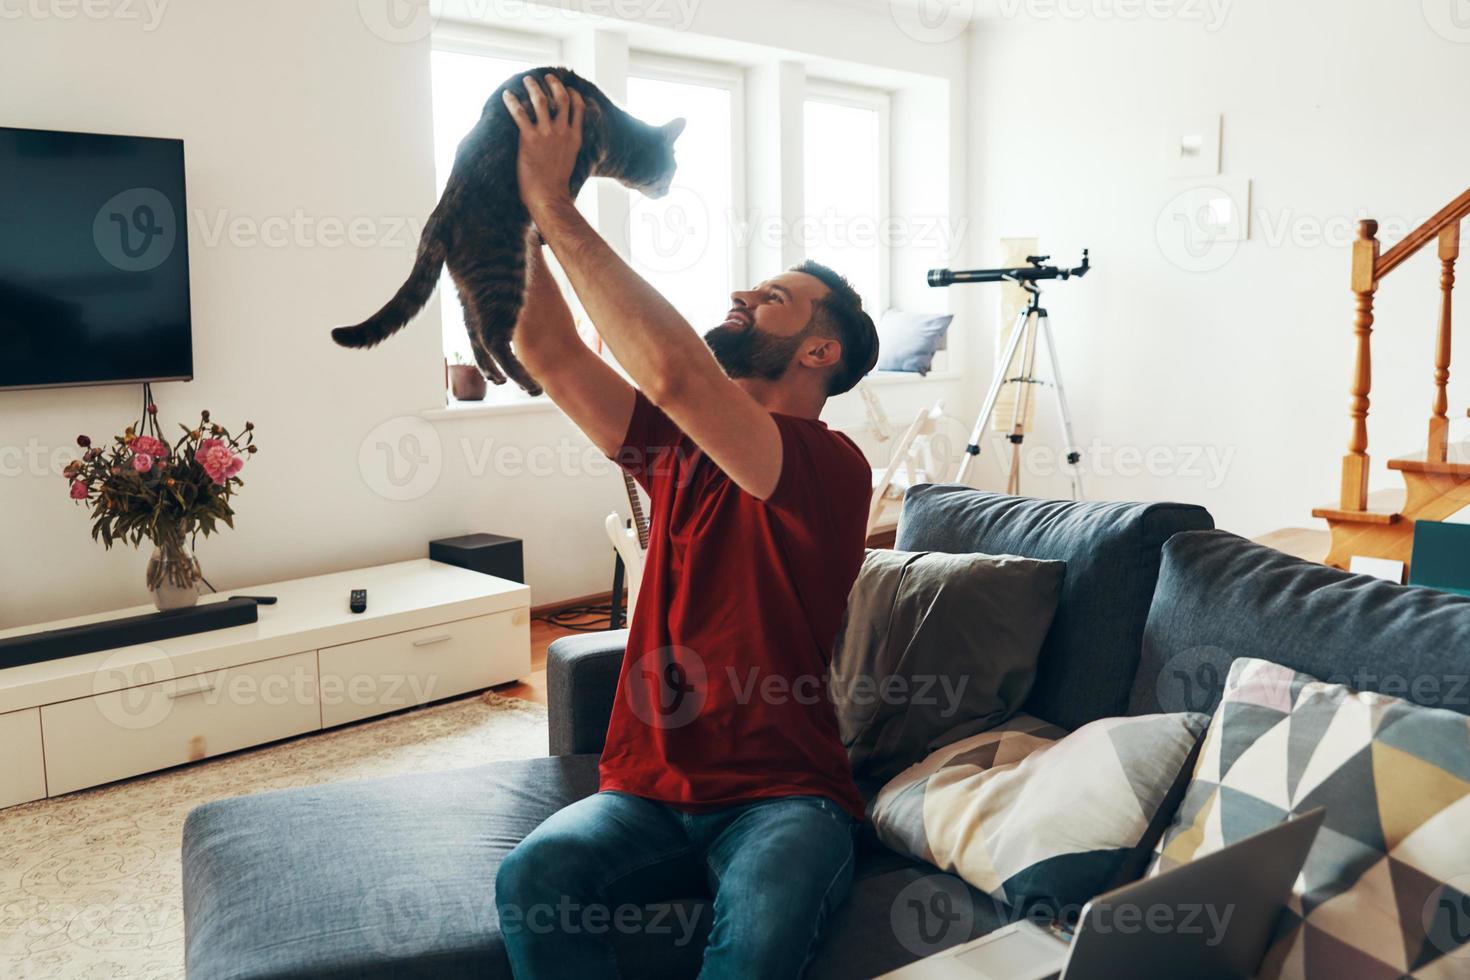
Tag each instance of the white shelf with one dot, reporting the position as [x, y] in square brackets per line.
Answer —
[154, 705]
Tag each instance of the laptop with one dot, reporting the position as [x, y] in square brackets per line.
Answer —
[1210, 918]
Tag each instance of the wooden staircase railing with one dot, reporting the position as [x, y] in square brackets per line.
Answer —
[1369, 269]
[1434, 487]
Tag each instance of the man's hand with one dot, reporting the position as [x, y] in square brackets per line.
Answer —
[549, 146]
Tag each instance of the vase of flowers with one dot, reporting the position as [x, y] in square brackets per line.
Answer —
[142, 487]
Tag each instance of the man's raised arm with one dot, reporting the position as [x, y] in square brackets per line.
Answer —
[583, 385]
[660, 351]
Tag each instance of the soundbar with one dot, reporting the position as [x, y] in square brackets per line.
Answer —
[32, 648]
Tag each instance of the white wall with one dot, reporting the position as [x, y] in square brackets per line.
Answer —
[1335, 111]
[295, 111]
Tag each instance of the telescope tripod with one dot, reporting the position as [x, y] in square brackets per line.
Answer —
[1032, 327]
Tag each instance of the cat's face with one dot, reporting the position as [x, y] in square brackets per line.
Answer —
[650, 170]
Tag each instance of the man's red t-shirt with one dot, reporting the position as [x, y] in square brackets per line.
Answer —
[723, 695]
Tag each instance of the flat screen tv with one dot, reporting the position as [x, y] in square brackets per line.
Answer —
[94, 260]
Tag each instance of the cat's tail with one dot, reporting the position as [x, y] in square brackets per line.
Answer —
[409, 299]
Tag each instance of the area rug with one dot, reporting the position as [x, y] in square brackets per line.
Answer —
[90, 882]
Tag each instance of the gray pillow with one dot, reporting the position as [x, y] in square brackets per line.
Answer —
[935, 648]
[907, 341]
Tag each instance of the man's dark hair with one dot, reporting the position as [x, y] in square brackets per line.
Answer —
[840, 314]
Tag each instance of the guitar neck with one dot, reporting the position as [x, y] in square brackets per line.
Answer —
[635, 504]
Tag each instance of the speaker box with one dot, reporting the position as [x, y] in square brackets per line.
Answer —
[489, 554]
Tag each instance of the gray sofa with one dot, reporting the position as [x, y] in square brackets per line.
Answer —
[394, 877]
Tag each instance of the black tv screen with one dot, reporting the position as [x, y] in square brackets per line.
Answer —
[94, 260]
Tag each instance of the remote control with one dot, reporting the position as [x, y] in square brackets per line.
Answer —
[358, 601]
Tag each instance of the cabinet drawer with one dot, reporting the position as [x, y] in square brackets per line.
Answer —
[22, 767]
[123, 733]
[370, 677]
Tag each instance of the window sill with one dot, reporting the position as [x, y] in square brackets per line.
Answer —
[482, 409]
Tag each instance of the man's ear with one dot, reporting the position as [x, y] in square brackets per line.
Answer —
[822, 352]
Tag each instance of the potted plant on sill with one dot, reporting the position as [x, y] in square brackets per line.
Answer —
[141, 487]
[466, 382]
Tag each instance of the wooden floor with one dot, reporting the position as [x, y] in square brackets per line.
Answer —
[533, 688]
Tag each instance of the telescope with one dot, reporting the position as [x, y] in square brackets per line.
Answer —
[1026, 273]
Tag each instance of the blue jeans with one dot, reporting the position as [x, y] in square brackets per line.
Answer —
[777, 869]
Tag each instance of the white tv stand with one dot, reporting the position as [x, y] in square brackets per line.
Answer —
[430, 631]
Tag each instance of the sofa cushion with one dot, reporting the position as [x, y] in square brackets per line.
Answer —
[999, 808]
[377, 878]
[1112, 551]
[898, 911]
[1221, 597]
[936, 647]
[395, 877]
[1383, 891]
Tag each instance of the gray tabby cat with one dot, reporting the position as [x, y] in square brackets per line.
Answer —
[480, 228]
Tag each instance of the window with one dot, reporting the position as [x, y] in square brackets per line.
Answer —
[845, 174]
[462, 80]
[682, 243]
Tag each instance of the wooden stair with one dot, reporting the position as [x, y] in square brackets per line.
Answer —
[1381, 525]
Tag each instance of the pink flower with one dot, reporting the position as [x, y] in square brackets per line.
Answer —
[78, 490]
[218, 461]
[148, 444]
[142, 462]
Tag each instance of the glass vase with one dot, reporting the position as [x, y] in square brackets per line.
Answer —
[173, 576]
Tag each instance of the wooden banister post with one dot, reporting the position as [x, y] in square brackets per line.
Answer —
[1355, 463]
[1437, 450]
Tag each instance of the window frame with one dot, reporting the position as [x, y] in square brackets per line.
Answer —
[487, 42]
[880, 100]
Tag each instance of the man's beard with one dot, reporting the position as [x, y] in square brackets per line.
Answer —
[749, 353]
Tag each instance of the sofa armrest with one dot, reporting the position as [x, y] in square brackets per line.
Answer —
[581, 680]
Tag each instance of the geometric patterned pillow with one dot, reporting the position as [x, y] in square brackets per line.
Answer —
[1383, 891]
[1035, 817]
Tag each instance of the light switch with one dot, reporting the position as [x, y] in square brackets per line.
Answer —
[1192, 146]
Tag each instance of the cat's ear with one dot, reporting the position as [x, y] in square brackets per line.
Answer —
[673, 128]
